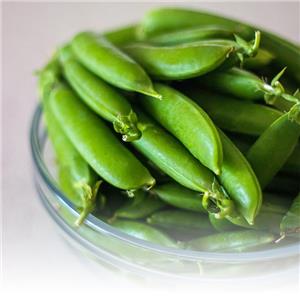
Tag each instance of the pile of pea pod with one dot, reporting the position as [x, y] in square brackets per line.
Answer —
[182, 130]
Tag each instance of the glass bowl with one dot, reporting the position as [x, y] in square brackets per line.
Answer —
[110, 246]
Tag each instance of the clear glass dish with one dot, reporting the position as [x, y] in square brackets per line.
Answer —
[110, 246]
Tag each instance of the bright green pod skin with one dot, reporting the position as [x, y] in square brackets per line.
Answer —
[141, 206]
[104, 59]
[189, 123]
[180, 61]
[234, 115]
[292, 166]
[235, 241]
[75, 177]
[178, 196]
[290, 224]
[262, 59]
[188, 35]
[272, 149]
[123, 35]
[179, 219]
[239, 180]
[236, 82]
[144, 232]
[175, 160]
[97, 144]
[168, 19]
[100, 96]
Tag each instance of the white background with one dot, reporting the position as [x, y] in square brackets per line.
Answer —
[35, 258]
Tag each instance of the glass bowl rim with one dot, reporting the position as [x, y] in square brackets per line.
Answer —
[100, 226]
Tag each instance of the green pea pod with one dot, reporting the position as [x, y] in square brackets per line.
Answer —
[141, 206]
[235, 241]
[168, 19]
[189, 123]
[239, 180]
[123, 35]
[290, 224]
[262, 59]
[144, 232]
[179, 61]
[173, 159]
[246, 85]
[292, 166]
[179, 219]
[234, 115]
[99, 96]
[222, 224]
[178, 196]
[273, 148]
[101, 57]
[96, 143]
[193, 34]
[75, 177]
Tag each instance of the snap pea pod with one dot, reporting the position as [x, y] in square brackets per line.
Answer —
[189, 123]
[163, 20]
[234, 115]
[144, 232]
[178, 196]
[170, 19]
[141, 206]
[123, 35]
[190, 60]
[173, 159]
[273, 148]
[239, 180]
[193, 34]
[235, 241]
[75, 177]
[100, 96]
[179, 62]
[179, 219]
[292, 165]
[101, 57]
[290, 224]
[246, 85]
[96, 143]
[262, 59]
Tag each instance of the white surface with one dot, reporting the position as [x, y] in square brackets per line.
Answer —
[35, 258]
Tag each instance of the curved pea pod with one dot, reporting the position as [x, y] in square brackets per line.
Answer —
[290, 224]
[246, 85]
[96, 143]
[273, 148]
[178, 219]
[239, 180]
[234, 115]
[122, 35]
[270, 215]
[173, 159]
[101, 57]
[235, 241]
[144, 232]
[178, 196]
[166, 19]
[193, 34]
[179, 61]
[100, 96]
[142, 205]
[189, 123]
[75, 177]
[262, 59]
